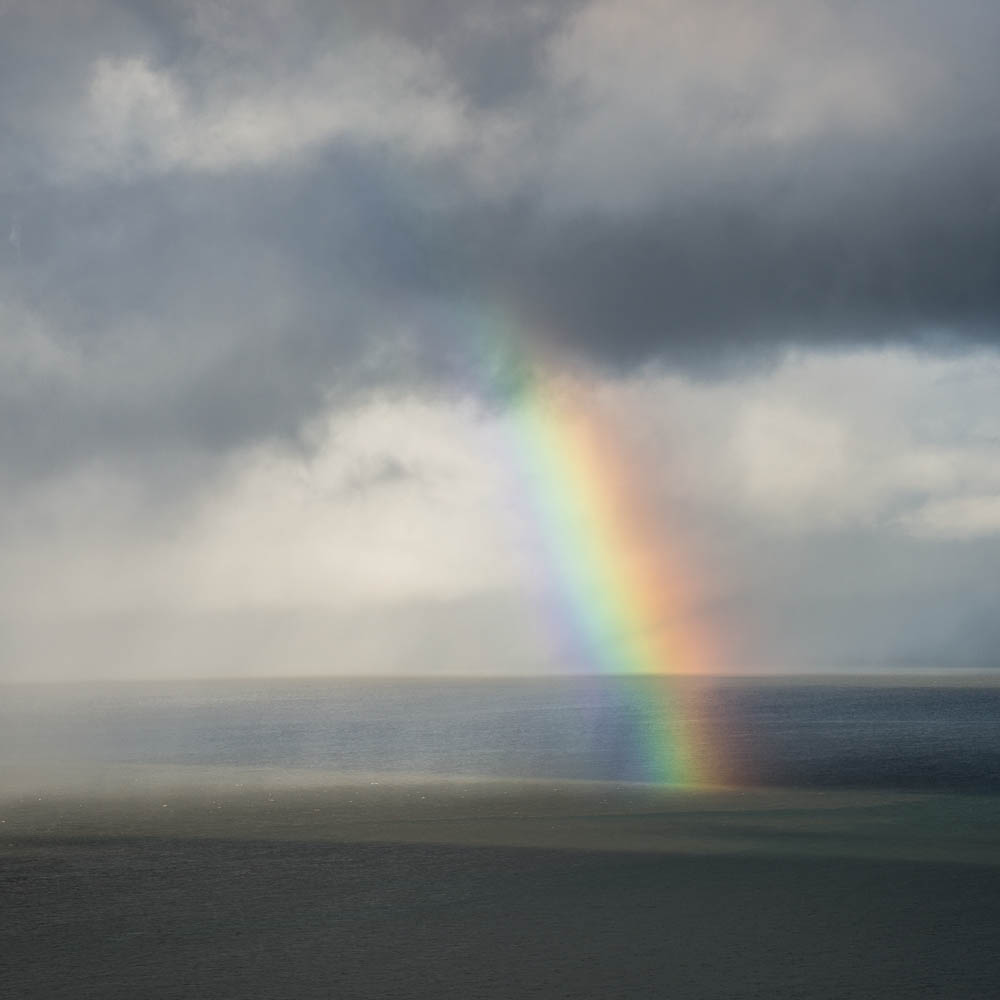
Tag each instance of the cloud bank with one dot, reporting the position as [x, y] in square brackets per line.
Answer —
[214, 204]
[234, 231]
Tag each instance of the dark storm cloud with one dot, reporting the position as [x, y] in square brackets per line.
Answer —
[178, 309]
[163, 294]
[172, 325]
[902, 259]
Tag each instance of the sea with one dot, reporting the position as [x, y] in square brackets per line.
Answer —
[253, 899]
[933, 734]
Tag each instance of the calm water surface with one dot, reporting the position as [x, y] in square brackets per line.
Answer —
[915, 736]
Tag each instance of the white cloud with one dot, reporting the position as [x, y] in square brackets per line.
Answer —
[643, 89]
[961, 517]
[138, 117]
[405, 501]
[673, 89]
[408, 499]
[859, 439]
[394, 547]
[789, 457]
[411, 504]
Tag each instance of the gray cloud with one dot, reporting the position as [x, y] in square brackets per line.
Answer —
[230, 218]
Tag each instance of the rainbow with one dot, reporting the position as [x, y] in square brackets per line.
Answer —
[622, 590]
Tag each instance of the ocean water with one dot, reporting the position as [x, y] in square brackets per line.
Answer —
[877, 734]
[112, 900]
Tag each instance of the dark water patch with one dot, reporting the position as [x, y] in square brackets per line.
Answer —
[170, 918]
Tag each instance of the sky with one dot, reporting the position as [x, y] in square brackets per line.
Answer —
[282, 279]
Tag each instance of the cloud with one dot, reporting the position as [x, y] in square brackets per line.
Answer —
[227, 218]
[139, 118]
[722, 178]
[963, 517]
[673, 88]
[767, 231]
[396, 503]
[867, 440]
[206, 89]
[393, 547]
[788, 457]
[842, 505]
[822, 508]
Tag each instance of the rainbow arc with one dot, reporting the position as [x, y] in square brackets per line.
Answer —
[623, 591]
